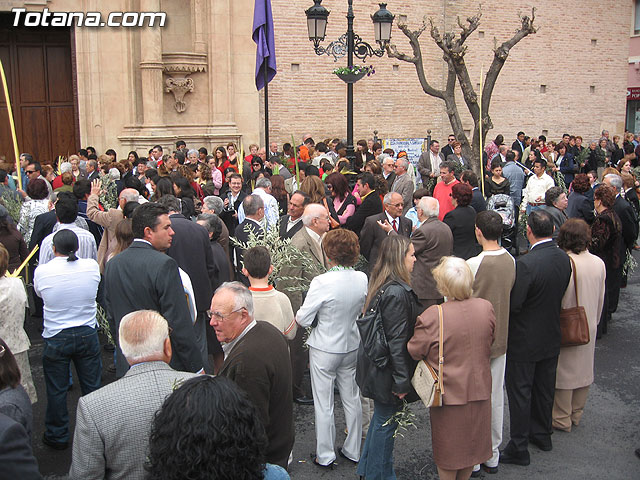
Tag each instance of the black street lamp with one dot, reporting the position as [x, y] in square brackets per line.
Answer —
[349, 44]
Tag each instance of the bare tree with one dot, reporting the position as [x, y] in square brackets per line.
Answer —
[453, 49]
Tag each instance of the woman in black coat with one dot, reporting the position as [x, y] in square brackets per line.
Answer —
[580, 206]
[389, 293]
[462, 222]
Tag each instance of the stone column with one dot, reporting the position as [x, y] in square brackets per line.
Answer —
[151, 68]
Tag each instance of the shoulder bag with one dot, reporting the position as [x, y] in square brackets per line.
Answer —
[426, 382]
[332, 221]
[374, 342]
[574, 327]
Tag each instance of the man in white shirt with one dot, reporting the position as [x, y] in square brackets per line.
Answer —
[68, 287]
[271, 210]
[537, 185]
[66, 213]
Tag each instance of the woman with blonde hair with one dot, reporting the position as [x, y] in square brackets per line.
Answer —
[390, 293]
[461, 427]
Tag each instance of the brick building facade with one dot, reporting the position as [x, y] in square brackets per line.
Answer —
[569, 76]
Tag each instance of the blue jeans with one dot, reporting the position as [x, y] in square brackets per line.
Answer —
[81, 345]
[376, 459]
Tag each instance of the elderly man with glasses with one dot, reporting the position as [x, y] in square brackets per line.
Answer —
[256, 357]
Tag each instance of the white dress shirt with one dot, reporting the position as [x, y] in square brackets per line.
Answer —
[536, 188]
[86, 243]
[68, 290]
[337, 298]
[271, 209]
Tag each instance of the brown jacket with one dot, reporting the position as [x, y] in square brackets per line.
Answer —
[259, 363]
[109, 220]
[432, 240]
[468, 333]
[495, 274]
[310, 248]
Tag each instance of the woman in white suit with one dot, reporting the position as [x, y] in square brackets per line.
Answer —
[335, 299]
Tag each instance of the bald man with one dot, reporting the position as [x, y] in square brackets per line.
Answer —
[109, 219]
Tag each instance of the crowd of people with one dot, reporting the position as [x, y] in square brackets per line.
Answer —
[213, 324]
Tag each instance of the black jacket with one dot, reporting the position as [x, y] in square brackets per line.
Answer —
[191, 249]
[399, 309]
[462, 222]
[542, 276]
[371, 205]
[629, 223]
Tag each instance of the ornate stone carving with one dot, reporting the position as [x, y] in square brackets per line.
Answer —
[178, 66]
[179, 87]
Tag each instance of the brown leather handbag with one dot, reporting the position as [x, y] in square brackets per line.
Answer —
[574, 327]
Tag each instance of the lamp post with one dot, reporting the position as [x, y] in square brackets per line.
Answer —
[349, 44]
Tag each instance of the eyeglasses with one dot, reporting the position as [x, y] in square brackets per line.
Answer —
[329, 186]
[397, 205]
[29, 171]
[221, 316]
[452, 139]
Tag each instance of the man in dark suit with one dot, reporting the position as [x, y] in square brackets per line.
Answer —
[191, 250]
[371, 204]
[448, 148]
[542, 276]
[377, 227]
[254, 214]
[16, 455]
[232, 202]
[478, 202]
[257, 359]
[92, 173]
[291, 223]
[143, 278]
[629, 222]
[432, 240]
[518, 145]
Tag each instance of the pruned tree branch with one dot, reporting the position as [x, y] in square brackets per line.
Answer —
[416, 59]
[502, 52]
[452, 45]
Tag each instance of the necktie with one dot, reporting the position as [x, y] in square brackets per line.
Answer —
[395, 227]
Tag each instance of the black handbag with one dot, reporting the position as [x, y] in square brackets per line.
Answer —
[374, 342]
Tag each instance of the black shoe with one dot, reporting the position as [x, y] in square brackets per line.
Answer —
[638, 452]
[324, 467]
[304, 400]
[341, 453]
[109, 347]
[55, 445]
[545, 447]
[488, 469]
[476, 473]
[111, 369]
[521, 459]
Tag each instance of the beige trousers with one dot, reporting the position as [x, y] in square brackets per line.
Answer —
[568, 407]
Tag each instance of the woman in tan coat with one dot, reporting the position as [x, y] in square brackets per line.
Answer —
[575, 364]
[461, 428]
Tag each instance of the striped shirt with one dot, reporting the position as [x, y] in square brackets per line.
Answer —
[86, 243]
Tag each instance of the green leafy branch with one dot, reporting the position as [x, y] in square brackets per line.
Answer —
[403, 418]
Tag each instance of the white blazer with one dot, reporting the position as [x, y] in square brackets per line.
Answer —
[337, 299]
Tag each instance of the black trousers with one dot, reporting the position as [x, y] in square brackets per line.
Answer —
[299, 360]
[530, 389]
